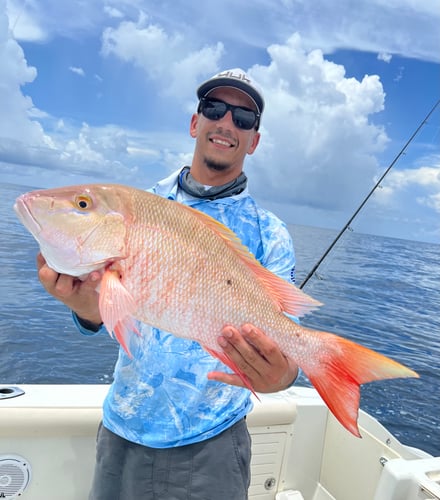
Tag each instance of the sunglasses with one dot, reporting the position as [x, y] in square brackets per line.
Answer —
[214, 109]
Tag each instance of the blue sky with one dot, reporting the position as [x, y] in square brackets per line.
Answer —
[103, 91]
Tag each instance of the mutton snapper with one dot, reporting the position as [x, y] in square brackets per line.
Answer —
[177, 269]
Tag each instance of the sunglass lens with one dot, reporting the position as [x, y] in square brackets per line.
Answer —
[214, 110]
[244, 118]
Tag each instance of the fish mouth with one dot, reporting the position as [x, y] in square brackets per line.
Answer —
[25, 215]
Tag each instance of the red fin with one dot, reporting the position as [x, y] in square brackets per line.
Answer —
[286, 296]
[116, 306]
[289, 298]
[225, 359]
[340, 368]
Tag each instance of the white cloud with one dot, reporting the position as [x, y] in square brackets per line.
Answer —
[400, 27]
[113, 12]
[316, 129]
[16, 108]
[423, 176]
[23, 140]
[76, 70]
[422, 183]
[23, 25]
[395, 27]
[408, 203]
[432, 201]
[384, 57]
[318, 144]
[399, 75]
[169, 60]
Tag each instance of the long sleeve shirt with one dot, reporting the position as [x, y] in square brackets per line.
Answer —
[161, 397]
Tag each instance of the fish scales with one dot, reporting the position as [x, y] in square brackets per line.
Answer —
[178, 269]
[190, 281]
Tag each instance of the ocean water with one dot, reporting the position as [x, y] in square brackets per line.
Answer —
[381, 292]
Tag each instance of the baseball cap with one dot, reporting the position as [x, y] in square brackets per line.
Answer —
[235, 78]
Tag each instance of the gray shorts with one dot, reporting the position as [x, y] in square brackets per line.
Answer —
[216, 469]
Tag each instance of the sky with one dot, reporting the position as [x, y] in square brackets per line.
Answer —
[103, 91]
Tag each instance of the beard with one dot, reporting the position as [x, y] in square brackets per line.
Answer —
[215, 165]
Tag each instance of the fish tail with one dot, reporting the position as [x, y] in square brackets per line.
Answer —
[341, 368]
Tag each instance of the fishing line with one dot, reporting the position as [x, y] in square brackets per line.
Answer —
[347, 225]
[20, 12]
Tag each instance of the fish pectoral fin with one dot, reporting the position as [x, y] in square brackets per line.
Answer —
[123, 329]
[226, 360]
[117, 307]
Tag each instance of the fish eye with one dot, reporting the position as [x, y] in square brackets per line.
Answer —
[83, 202]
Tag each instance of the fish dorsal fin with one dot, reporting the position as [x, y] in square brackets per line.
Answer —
[287, 297]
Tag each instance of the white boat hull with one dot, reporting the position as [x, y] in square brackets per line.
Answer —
[300, 452]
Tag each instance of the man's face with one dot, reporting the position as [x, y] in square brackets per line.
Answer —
[221, 143]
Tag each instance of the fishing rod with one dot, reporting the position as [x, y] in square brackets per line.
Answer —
[347, 225]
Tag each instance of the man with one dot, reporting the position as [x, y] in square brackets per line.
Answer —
[174, 421]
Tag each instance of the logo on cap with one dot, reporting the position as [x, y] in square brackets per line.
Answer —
[238, 76]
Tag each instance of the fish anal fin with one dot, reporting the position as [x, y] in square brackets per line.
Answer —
[226, 360]
[287, 296]
[117, 306]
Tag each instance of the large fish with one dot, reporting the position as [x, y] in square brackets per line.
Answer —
[178, 269]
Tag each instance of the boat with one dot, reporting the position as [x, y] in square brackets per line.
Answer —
[299, 450]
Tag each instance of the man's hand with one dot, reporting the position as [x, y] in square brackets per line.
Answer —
[80, 296]
[258, 357]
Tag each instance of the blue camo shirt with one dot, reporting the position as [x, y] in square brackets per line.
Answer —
[162, 398]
